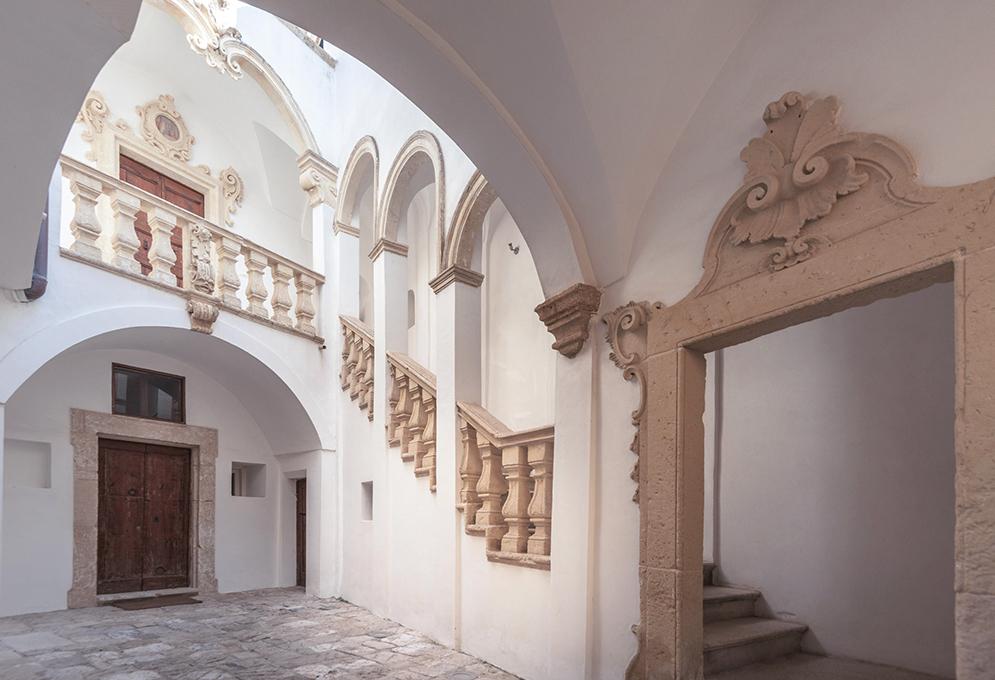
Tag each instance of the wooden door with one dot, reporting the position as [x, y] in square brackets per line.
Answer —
[301, 532]
[143, 511]
[180, 195]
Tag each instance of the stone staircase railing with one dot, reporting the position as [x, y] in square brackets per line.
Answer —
[102, 225]
[412, 414]
[356, 373]
[506, 487]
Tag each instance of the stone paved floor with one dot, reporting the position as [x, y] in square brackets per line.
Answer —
[807, 667]
[262, 635]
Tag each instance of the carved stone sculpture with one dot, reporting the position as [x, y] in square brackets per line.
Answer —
[567, 316]
[203, 314]
[202, 269]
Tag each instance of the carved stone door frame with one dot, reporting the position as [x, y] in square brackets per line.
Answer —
[86, 430]
[825, 220]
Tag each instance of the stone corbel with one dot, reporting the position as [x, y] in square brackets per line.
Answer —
[318, 178]
[203, 312]
[456, 274]
[388, 246]
[567, 316]
[627, 337]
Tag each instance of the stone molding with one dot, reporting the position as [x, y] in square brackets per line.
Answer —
[626, 335]
[826, 220]
[348, 230]
[567, 316]
[468, 221]
[456, 274]
[318, 179]
[364, 151]
[86, 429]
[386, 246]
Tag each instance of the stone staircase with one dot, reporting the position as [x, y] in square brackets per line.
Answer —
[734, 635]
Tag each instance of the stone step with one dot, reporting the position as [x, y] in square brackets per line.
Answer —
[723, 603]
[733, 643]
[707, 569]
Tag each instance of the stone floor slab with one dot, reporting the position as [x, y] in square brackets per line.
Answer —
[278, 634]
[808, 667]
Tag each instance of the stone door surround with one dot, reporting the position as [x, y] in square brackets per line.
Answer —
[825, 220]
[87, 427]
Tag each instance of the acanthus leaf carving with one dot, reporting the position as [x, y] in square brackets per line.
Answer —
[233, 190]
[210, 38]
[629, 321]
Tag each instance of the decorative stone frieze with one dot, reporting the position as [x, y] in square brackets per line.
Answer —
[203, 313]
[627, 337]
[356, 372]
[456, 274]
[412, 416]
[567, 316]
[506, 487]
[318, 178]
[385, 246]
[164, 129]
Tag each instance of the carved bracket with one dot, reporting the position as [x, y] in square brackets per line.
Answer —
[567, 316]
[627, 337]
[203, 313]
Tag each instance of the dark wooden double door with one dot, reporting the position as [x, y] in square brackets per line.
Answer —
[143, 540]
[142, 176]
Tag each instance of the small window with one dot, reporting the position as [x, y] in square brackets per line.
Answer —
[248, 479]
[367, 500]
[147, 394]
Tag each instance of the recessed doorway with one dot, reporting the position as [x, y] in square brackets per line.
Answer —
[143, 513]
[302, 532]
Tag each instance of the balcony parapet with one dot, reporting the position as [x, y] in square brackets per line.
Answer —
[411, 425]
[102, 225]
[356, 373]
[506, 487]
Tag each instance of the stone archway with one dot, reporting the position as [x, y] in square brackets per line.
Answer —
[825, 220]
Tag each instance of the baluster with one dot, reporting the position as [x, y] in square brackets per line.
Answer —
[401, 411]
[352, 361]
[124, 241]
[280, 300]
[85, 226]
[516, 506]
[255, 290]
[411, 448]
[346, 347]
[541, 507]
[228, 281]
[162, 257]
[366, 377]
[426, 466]
[491, 488]
[305, 304]
[469, 473]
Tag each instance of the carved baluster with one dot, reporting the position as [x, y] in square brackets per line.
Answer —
[228, 281]
[124, 241]
[280, 300]
[393, 399]
[305, 304]
[426, 465]
[255, 290]
[352, 361]
[162, 257]
[469, 473]
[346, 347]
[85, 225]
[541, 507]
[411, 446]
[491, 488]
[367, 377]
[402, 410]
[516, 506]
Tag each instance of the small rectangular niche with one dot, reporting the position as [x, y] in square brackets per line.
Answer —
[248, 479]
[367, 501]
[27, 464]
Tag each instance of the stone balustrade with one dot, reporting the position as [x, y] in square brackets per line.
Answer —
[356, 373]
[412, 414]
[506, 487]
[102, 227]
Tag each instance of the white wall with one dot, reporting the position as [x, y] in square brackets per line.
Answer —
[519, 370]
[836, 491]
[37, 549]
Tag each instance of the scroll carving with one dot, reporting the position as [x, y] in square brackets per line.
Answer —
[233, 190]
[630, 320]
[93, 115]
[164, 129]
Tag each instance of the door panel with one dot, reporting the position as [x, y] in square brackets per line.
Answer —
[301, 532]
[143, 517]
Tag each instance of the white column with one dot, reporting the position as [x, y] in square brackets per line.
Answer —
[390, 320]
[571, 580]
[2, 484]
[323, 493]
[457, 362]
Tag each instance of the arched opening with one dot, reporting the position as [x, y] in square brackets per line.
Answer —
[358, 210]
